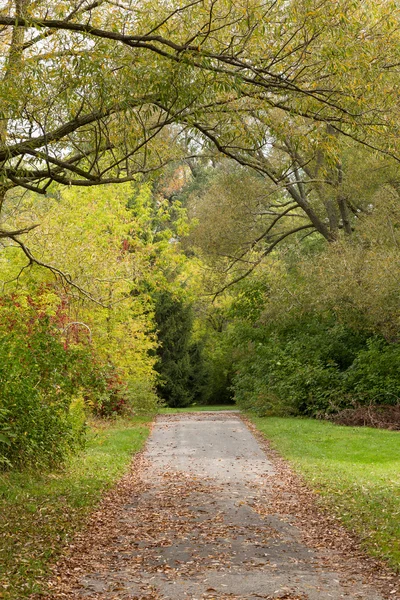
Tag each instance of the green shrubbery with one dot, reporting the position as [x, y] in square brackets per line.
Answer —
[41, 416]
[314, 366]
[318, 330]
[309, 327]
[374, 376]
[49, 382]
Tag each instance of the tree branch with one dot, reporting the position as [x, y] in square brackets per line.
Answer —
[56, 271]
[10, 234]
[259, 260]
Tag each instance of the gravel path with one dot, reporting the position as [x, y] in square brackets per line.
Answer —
[200, 519]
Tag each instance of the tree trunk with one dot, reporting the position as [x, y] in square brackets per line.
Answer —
[342, 202]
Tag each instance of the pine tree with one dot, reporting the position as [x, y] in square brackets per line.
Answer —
[174, 323]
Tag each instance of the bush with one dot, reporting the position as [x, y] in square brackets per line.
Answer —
[382, 417]
[314, 366]
[374, 376]
[115, 397]
[143, 398]
[111, 397]
[281, 381]
[39, 378]
[35, 393]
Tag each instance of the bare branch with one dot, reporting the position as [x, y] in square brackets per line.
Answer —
[10, 234]
[64, 276]
[260, 259]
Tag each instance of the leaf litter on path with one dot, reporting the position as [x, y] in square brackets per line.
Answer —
[177, 535]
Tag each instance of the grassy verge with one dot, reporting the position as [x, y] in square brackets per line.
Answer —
[197, 408]
[355, 470]
[40, 512]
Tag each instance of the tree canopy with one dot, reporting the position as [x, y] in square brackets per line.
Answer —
[104, 92]
[88, 88]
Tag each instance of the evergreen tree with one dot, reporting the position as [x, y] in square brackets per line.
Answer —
[174, 323]
[199, 378]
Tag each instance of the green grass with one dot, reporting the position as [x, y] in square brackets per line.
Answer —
[40, 512]
[198, 408]
[356, 471]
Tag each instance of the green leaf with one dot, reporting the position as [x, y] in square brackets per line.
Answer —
[4, 439]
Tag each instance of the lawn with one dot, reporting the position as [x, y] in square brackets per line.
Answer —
[355, 470]
[40, 512]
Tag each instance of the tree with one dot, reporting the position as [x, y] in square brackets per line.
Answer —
[240, 215]
[174, 322]
[104, 239]
[88, 88]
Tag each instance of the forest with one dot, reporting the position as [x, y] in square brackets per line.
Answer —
[199, 205]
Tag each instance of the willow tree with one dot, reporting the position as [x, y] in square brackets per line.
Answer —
[298, 189]
[96, 91]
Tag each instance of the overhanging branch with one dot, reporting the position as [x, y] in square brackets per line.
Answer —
[260, 259]
[55, 270]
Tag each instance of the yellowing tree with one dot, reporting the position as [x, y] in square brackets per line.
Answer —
[114, 257]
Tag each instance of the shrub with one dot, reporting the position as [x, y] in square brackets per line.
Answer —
[111, 398]
[382, 417]
[38, 379]
[374, 376]
[143, 397]
[311, 366]
[283, 381]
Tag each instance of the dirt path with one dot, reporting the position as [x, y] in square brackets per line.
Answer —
[207, 516]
